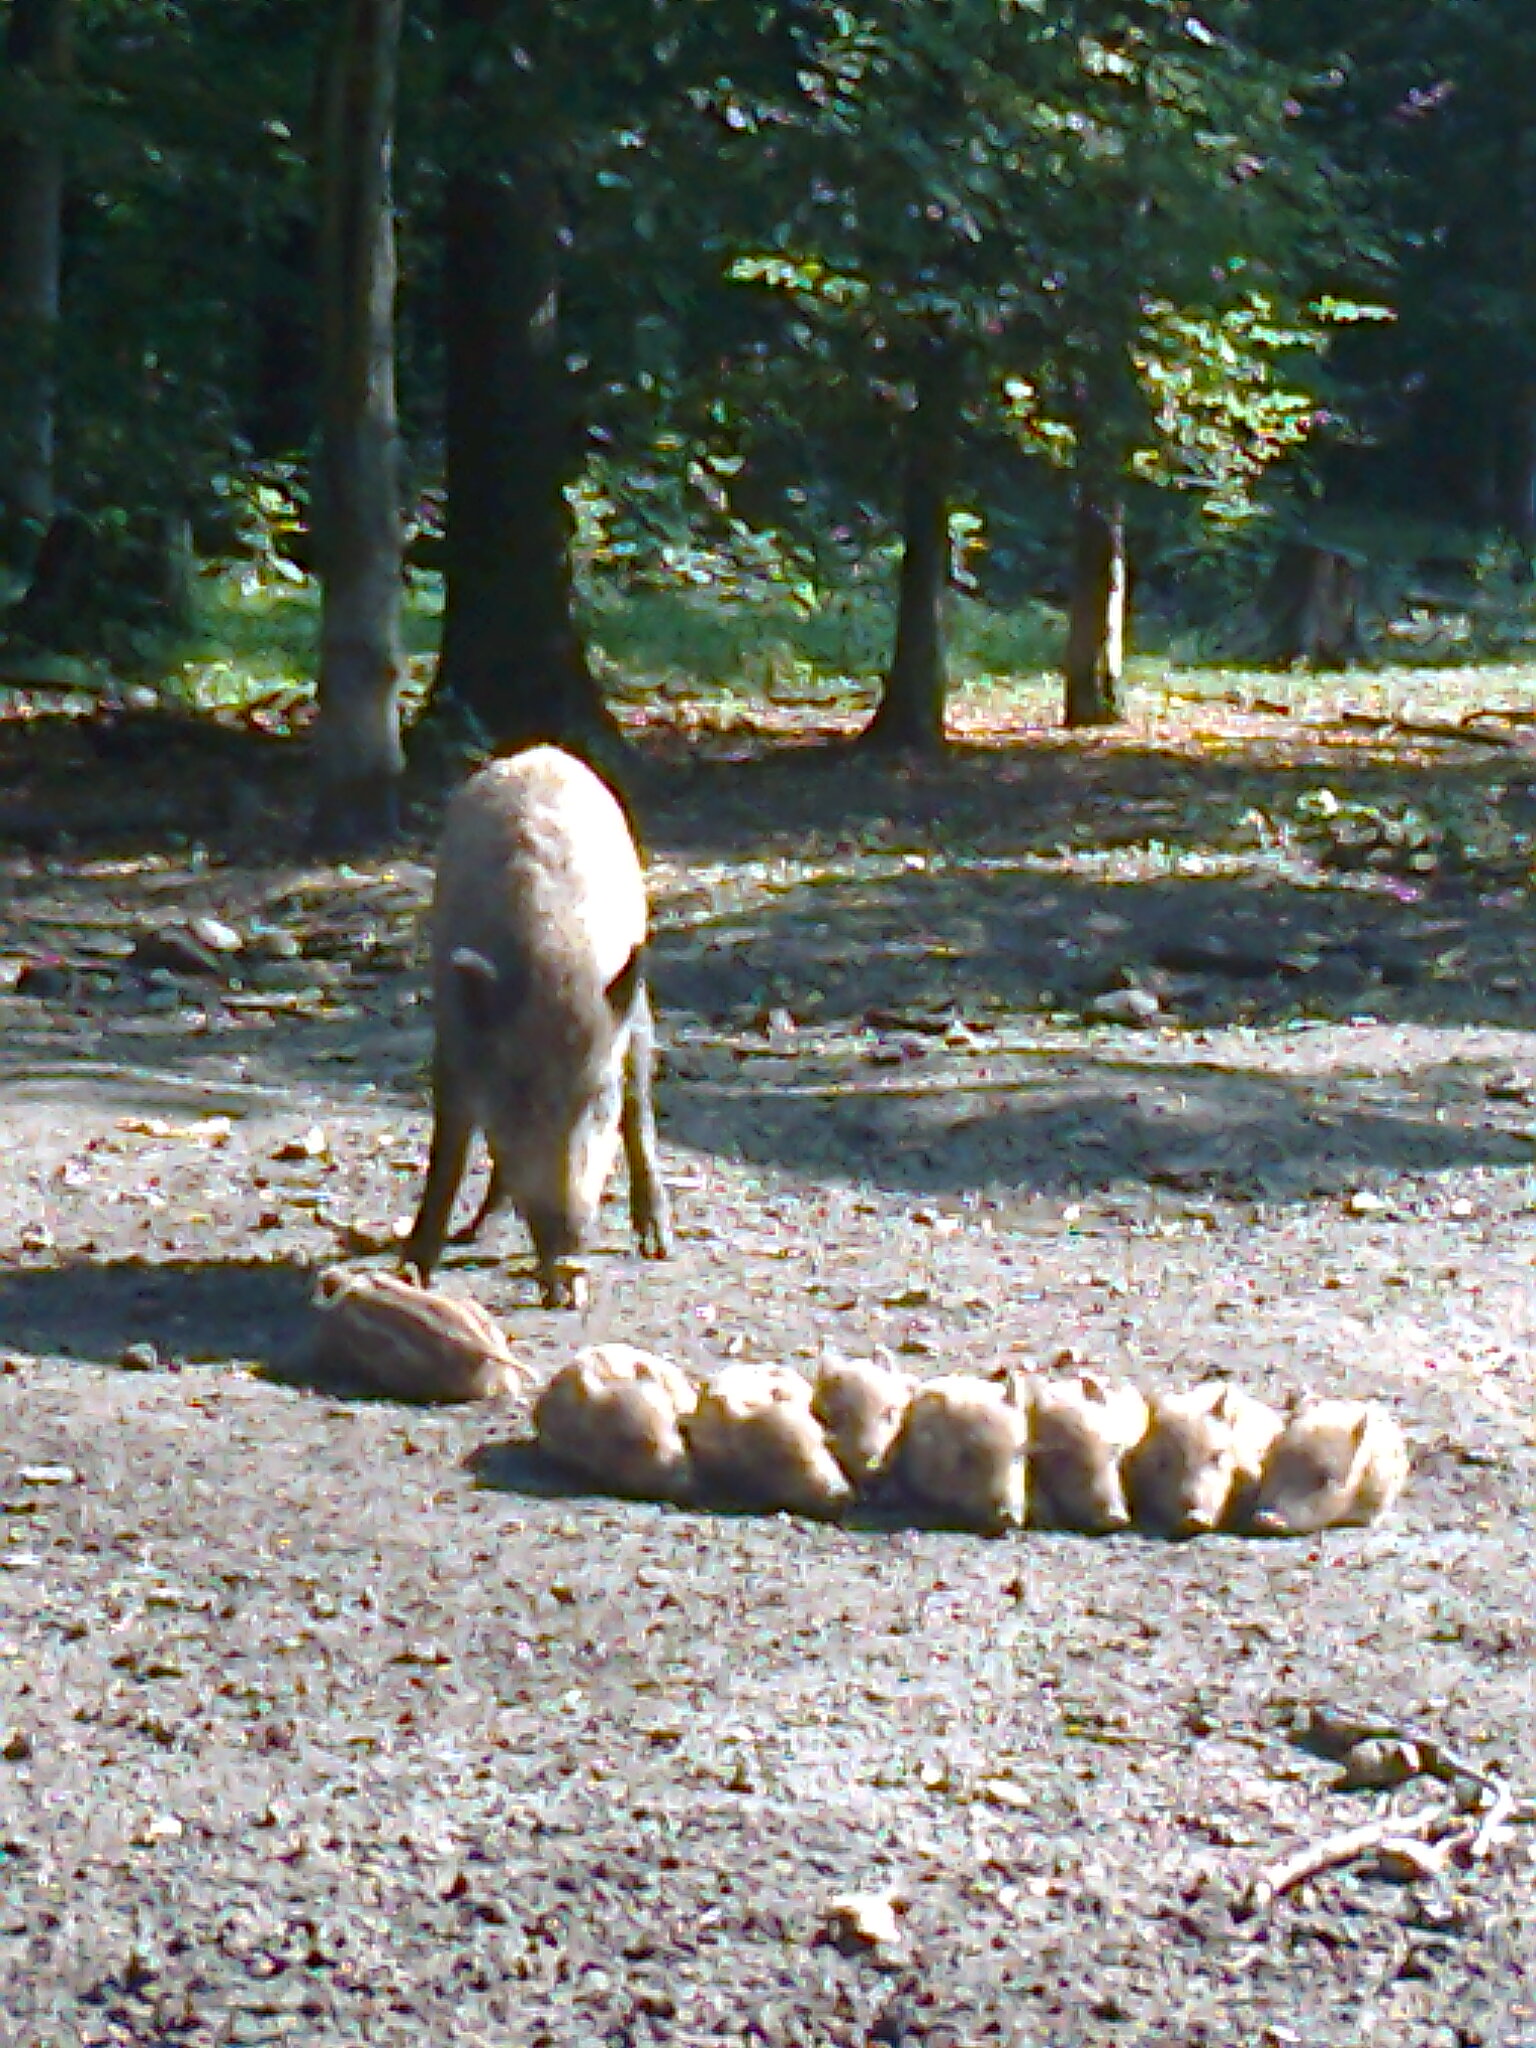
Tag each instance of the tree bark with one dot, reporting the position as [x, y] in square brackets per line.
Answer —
[1519, 478]
[911, 710]
[358, 758]
[1311, 609]
[1095, 657]
[36, 73]
[115, 587]
[511, 654]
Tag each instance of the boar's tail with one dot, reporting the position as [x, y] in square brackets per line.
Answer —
[621, 991]
[481, 989]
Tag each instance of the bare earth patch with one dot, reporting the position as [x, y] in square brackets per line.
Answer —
[332, 1722]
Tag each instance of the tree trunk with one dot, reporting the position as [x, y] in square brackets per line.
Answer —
[911, 711]
[1311, 608]
[108, 586]
[358, 756]
[36, 71]
[1519, 475]
[1096, 619]
[511, 655]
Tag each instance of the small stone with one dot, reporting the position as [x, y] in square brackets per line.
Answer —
[17, 1746]
[139, 1358]
[159, 1827]
[47, 1475]
[1363, 1203]
[863, 1920]
[215, 934]
[1379, 1763]
[1133, 1006]
[45, 980]
[313, 1144]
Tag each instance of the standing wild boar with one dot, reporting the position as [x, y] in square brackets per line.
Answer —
[544, 1035]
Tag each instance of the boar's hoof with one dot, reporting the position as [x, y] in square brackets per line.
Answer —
[565, 1285]
[655, 1240]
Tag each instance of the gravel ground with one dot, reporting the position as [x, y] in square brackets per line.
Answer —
[336, 1722]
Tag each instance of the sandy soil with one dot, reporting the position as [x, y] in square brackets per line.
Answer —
[335, 1722]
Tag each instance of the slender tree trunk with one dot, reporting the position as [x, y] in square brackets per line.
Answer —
[911, 711]
[358, 755]
[1519, 461]
[35, 72]
[512, 654]
[1096, 620]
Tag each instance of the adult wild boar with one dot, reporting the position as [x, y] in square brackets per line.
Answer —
[544, 1033]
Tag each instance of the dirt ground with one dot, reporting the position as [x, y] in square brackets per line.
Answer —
[334, 1722]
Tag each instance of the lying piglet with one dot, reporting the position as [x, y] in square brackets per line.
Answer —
[962, 1452]
[861, 1404]
[614, 1417]
[1080, 1431]
[1197, 1469]
[1336, 1463]
[756, 1443]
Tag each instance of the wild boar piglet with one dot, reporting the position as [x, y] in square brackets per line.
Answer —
[962, 1452]
[861, 1403]
[756, 1443]
[1335, 1464]
[614, 1416]
[1080, 1431]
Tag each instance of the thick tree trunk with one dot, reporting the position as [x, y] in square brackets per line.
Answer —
[36, 71]
[511, 655]
[1311, 609]
[911, 712]
[358, 755]
[1095, 657]
[114, 587]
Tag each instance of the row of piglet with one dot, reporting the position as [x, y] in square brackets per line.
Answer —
[992, 1454]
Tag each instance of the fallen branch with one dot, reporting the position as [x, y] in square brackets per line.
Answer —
[1466, 1828]
[1427, 729]
[1492, 1823]
[1333, 1852]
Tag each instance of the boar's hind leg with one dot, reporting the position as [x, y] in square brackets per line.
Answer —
[452, 1129]
[649, 1210]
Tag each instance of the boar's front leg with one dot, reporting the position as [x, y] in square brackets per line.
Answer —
[649, 1210]
[452, 1129]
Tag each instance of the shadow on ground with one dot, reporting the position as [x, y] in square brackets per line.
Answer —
[1074, 1126]
[189, 1313]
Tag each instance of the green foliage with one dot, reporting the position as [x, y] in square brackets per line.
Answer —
[1140, 230]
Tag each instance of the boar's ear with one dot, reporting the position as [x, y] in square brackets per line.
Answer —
[625, 985]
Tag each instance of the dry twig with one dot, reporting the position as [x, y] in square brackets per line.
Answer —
[1411, 1846]
[1333, 1852]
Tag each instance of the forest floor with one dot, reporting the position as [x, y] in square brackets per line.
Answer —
[326, 1721]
